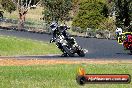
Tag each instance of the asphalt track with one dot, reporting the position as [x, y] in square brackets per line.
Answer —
[97, 48]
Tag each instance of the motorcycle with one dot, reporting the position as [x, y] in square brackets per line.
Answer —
[68, 45]
[126, 40]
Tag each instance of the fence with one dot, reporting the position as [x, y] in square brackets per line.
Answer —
[40, 26]
[30, 25]
[91, 33]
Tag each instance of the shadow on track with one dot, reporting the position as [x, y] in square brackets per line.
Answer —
[42, 57]
[124, 53]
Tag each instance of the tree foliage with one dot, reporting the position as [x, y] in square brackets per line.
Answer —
[8, 5]
[123, 10]
[90, 14]
[24, 2]
[75, 6]
[108, 24]
[57, 10]
[22, 7]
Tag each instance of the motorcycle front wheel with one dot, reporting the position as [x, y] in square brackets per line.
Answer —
[81, 53]
[131, 51]
[68, 51]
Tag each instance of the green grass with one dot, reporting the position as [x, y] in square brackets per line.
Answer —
[58, 76]
[11, 46]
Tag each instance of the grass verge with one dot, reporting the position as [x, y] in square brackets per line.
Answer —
[11, 46]
[58, 76]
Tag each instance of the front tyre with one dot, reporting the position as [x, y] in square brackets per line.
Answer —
[131, 51]
[68, 51]
[81, 53]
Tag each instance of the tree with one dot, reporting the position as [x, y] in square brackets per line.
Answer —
[123, 9]
[8, 5]
[75, 6]
[22, 7]
[57, 10]
[90, 14]
[108, 24]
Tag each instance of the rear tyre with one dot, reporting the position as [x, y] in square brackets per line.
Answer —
[68, 51]
[81, 53]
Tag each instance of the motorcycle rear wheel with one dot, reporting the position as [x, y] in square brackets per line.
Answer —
[68, 51]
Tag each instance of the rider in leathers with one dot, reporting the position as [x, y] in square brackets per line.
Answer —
[59, 29]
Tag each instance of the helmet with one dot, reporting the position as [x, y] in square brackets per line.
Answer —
[119, 31]
[53, 26]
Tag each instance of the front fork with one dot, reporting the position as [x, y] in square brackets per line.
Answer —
[59, 45]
